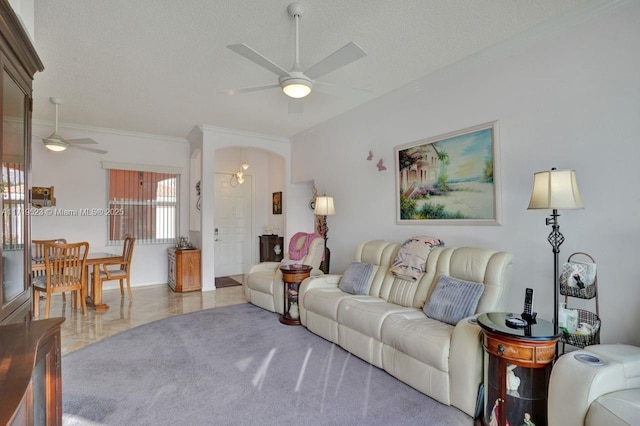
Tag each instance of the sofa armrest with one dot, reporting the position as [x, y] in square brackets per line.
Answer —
[261, 267]
[575, 385]
[318, 281]
[466, 365]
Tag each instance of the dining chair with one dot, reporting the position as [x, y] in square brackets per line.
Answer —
[38, 255]
[65, 265]
[122, 271]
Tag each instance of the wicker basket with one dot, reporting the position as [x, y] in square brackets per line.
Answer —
[589, 292]
[581, 341]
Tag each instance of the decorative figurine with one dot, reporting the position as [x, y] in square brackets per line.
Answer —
[494, 420]
[527, 420]
[294, 311]
[513, 381]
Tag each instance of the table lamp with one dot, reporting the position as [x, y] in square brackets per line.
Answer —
[324, 207]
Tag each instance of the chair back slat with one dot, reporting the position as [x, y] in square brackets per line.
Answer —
[38, 254]
[65, 264]
[127, 252]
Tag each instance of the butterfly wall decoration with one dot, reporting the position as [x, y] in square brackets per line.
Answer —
[379, 165]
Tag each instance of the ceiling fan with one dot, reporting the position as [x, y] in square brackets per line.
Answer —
[298, 83]
[55, 142]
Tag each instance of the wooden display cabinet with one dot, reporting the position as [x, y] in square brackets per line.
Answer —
[19, 62]
[184, 270]
[518, 370]
[31, 386]
[268, 250]
[292, 277]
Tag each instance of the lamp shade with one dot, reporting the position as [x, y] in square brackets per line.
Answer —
[555, 189]
[324, 206]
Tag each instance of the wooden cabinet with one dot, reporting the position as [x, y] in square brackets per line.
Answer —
[292, 277]
[271, 248]
[31, 386]
[184, 269]
[518, 370]
[18, 62]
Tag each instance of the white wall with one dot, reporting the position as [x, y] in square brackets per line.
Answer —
[80, 182]
[567, 101]
[25, 12]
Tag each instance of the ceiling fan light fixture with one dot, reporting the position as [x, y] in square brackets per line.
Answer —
[296, 87]
[54, 145]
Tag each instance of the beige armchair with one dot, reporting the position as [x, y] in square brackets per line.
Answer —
[598, 385]
[263, 284]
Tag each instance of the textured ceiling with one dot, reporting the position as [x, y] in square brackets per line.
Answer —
[160, 66]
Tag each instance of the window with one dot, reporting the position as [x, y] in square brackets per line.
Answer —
[143, 204]
[12, 205]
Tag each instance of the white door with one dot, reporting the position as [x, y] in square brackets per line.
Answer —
[232, 209]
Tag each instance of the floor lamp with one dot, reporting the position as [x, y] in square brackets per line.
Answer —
[324, 207]
[555, 190]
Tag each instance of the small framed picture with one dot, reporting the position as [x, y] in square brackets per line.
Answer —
[277, 203]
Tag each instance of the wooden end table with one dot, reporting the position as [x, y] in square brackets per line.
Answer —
[520, 362]
[292, 276]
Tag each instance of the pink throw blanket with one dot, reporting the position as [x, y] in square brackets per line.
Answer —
[296, 253]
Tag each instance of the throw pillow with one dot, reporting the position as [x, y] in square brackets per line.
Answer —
[453, 299]
[356, 278]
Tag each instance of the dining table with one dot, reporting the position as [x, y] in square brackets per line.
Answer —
[94, 291]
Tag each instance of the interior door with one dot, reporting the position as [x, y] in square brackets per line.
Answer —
[232, 209]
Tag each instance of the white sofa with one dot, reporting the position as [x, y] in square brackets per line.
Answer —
[388, 328]
[599, 385]
[263, 284]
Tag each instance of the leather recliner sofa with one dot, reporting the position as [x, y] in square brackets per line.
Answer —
[598, 385]
[388, 328]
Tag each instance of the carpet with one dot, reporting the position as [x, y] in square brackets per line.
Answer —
[221, 282]
[235, 365]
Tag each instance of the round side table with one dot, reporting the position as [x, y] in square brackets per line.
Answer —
[519, 367]
[292, 276]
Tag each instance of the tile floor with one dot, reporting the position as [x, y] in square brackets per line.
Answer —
[150, 303]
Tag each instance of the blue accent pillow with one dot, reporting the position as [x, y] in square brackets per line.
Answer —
[356, 278]
[453, 299]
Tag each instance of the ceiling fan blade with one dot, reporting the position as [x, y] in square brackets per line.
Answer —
[341, 57]
[296, 106]
[341, 91]
[244, 50]
[232, 92]
[86, 148]
[83, 141]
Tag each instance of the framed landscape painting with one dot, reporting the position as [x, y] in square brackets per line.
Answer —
[451, 179]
